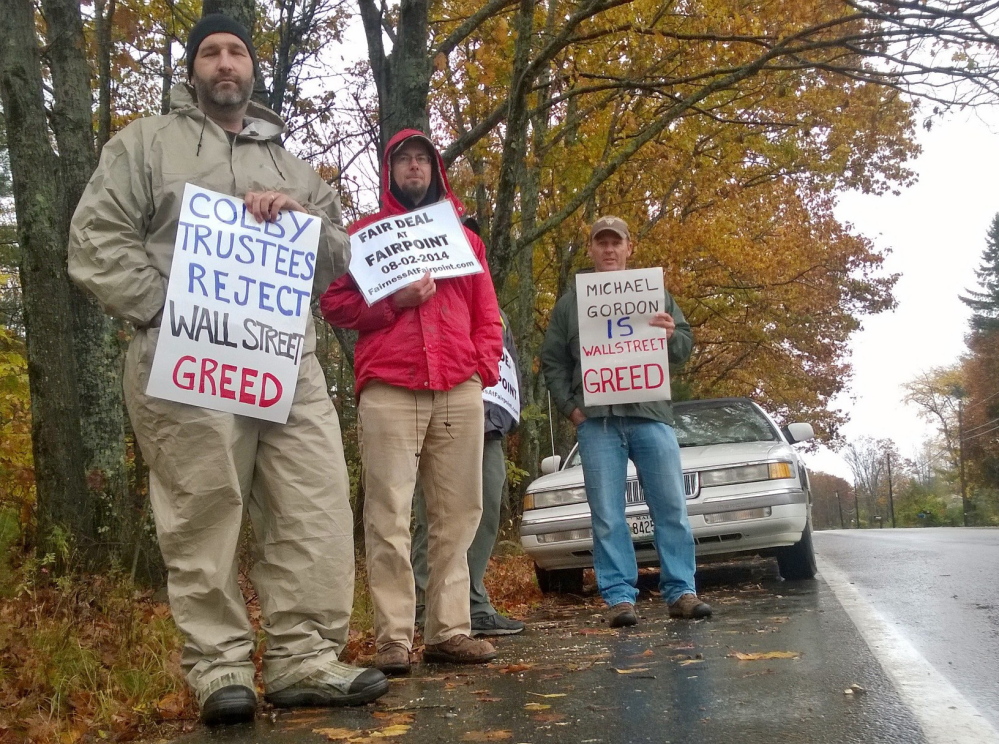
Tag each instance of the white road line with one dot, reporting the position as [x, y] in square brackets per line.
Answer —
[945, 716]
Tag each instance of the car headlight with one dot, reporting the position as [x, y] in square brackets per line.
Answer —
[541, 499]
[747, 473]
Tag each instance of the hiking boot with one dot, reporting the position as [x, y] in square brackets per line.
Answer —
[393, 660]
[229, 704]
[689, 607]
[496, 625]
[332, 684]
[622, 615]
[459, 649]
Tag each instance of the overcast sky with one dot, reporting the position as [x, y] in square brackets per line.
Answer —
[936, 232]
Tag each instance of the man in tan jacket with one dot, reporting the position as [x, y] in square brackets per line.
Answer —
[208, 468]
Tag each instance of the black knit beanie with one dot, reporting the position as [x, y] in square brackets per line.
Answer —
[217, 23]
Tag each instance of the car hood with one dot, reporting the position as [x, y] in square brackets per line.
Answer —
[693, 458]
[720, 455]
[568, 478]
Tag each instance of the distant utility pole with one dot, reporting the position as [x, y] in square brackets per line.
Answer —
[840, 505]
[958, 391]
[960, 451]
[891, 499]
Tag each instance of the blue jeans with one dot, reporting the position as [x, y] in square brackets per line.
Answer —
[605, 446]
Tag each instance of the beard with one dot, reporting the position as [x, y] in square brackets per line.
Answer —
[415, 191]
[228, 97]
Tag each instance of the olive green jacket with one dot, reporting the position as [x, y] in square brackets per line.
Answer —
[563, 371]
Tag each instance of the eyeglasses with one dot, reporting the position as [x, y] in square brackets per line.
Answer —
[406, 159]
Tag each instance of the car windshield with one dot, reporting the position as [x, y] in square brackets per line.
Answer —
[698, 424]
[730, 422]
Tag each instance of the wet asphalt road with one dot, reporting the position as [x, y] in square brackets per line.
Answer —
[940, 588]
[572, 680]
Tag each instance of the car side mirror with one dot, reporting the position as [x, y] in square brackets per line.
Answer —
[800, 432]
[550, 464]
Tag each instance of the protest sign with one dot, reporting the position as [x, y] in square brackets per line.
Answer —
[506, 392]
[623, 358]
[236, 310]
[388, 254]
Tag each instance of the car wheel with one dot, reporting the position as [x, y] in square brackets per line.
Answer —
[797, 561]
[560, 580]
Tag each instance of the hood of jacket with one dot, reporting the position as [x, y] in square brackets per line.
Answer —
[390, 203]
[260, 123]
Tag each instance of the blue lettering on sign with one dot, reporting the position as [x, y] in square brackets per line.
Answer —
[190, 205]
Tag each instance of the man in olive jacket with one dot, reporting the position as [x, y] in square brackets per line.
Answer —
[206, 467]
[609, 436]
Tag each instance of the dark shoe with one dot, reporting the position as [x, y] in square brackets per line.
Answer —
[496, 625]
[393, 660]
[460, 649]
[229, 704]
[689, 607]
[333, 684]
[622, 615]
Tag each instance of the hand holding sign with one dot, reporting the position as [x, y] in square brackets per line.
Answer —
[265, 206]
[415, 294]
[664, 321]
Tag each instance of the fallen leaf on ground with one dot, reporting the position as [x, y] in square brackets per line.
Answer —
[854, 689]
[630, 671]
[688, 662]
[547, 717]
[515, 668]
[337, 734]
[496, 735]
[489, 699]
[171, 706]
[397, 730]
[537, 706]
[765, 655]
[548, 695]
[393, 719]
[646, 652]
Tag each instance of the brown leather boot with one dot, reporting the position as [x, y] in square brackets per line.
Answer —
[460, 649]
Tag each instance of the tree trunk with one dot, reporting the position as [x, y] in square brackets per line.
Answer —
[104, 21]
[402, 78]
[97, 347]
[57, 441]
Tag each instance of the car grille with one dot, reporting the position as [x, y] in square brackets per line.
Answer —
[633, 493]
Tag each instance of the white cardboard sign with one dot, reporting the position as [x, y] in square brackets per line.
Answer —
[506, 392]
[389, 254]
[623, 358]
[236, 310]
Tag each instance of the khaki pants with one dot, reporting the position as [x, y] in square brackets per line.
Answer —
[445, 428]
[206, 470]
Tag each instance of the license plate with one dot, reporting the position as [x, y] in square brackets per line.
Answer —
[641, 527]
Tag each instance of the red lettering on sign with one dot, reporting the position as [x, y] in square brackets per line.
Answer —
[245, 384]
[187, 377]
[189, 373]
[622, 379]
[266, 402]
[225, 380]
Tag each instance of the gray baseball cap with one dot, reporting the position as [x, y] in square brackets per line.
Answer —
[614, 224]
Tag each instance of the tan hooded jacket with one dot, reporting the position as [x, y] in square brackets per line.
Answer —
[122, 236]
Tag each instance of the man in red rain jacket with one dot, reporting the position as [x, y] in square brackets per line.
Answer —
[423, 356]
